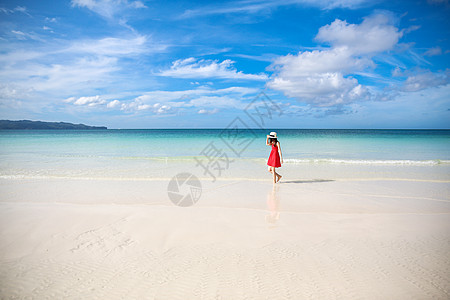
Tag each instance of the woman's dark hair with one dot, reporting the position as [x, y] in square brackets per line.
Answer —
[273, 140]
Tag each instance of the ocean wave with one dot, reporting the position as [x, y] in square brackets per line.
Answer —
[431, 162]
[114, 157]
[74, 177]
[262, 159]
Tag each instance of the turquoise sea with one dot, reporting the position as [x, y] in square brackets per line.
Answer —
[159, 153]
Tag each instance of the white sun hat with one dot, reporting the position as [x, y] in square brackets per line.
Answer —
[273, 134]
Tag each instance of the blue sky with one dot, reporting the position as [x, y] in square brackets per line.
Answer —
[198, 64]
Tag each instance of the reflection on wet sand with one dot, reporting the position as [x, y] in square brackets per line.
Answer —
[308, 181]
[273, 205]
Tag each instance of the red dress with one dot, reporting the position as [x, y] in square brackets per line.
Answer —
[274, 157]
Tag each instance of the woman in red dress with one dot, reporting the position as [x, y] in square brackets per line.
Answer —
[275, 157]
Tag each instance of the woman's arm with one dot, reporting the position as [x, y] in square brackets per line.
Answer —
[267, 140]
[279, 151]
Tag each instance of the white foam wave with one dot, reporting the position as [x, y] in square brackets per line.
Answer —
[367, 162]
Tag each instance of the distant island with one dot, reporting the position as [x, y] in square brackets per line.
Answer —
[27, 124]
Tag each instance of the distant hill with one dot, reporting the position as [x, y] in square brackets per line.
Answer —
[27, 124]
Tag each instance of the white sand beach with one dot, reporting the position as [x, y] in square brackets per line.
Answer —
[367, 238]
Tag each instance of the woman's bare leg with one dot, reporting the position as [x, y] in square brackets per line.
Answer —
[274, 175]
[278, 177]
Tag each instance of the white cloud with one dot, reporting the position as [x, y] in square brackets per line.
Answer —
[112, 46]
[60, 80]
[12, 91]
[208, 112]
[108, 8]
[319, 62]
[21, 9]
[193, 68]
[257, 6]
[418, 59]
[433, 51]
[324, 77]
[138, 4]
[128, 46]
[186, 95]
[162, 109]
[374, 34]
[143, 107]
[64, 69]
[51, 20]
[105, 8]
[80, 75]
[325, 89]
[86, 101]
[20, 35]
[426, 80]
[139, 105]
[411, 29]
[264, 57]
[113, 104]
[216, 101]
[331, 4]
[202, 98]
